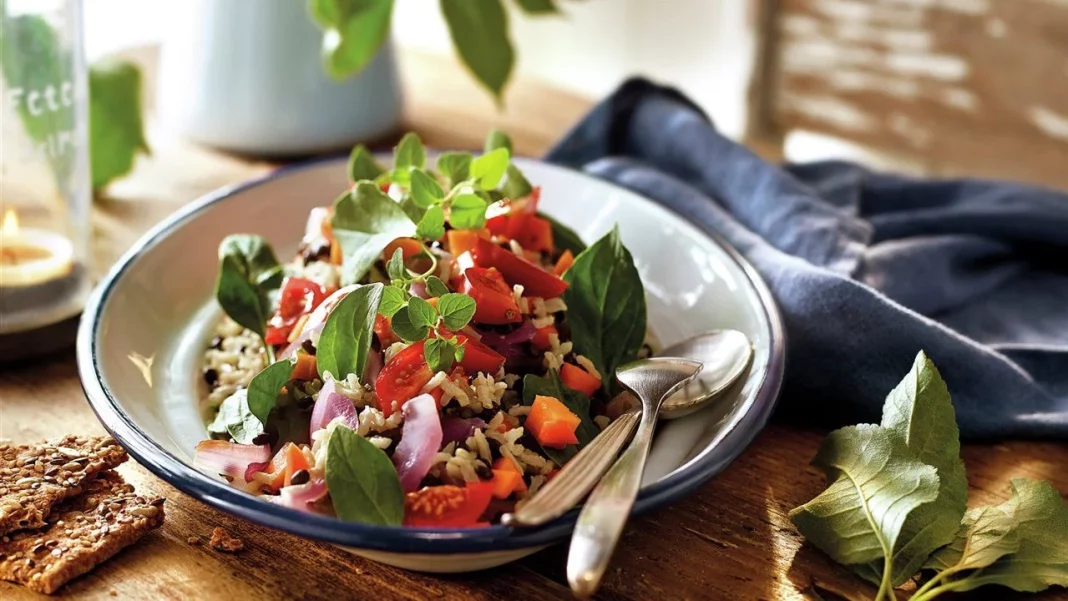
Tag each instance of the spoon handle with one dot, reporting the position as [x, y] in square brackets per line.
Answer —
[577, 477]
[601, 521]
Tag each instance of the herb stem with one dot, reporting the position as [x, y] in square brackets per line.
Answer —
[938, 590]
[885, 589]
[933, 582]
[269, 351]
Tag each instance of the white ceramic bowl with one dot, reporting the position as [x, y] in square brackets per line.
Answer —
[146, 325]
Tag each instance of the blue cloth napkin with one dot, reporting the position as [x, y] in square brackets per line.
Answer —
[868, 268]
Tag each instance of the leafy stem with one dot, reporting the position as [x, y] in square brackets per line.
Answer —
[949, 587]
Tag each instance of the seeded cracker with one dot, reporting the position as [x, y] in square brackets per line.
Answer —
[81, 533]
[33, 478]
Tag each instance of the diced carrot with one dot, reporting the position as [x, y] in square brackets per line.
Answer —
[433, 302]
[551, 423]
[576, 378]
[335, 253]
[461, 241]
[507, 478]
[507, 464]
[409, 247]
[565, 261]
[541, 341]
[306, 367]
[287, 461]
[556, 434]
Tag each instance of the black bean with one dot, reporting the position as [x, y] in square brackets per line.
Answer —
[211, 377]
[483, 471]
[300, 477]
[262, 438]
[308, 347]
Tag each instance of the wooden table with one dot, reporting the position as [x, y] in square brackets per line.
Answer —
[730, 540]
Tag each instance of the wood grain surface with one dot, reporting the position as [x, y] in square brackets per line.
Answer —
[732, 539]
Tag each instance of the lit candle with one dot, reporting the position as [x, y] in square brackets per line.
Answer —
[29, 257]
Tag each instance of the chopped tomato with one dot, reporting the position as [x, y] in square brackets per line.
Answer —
[531, 232]
[402, 378]
[447, 506]
[289, 460]
[384, 330]
[298, 297]
[551, 423]
[409, 248]
[306, 368]
[535, 280]
[576, 378]
[478, 357]
[461, 241]
[498, 226]
[564, 262]
[541, 341]
[494, 301]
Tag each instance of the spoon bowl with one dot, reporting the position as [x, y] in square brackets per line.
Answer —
[725, 354]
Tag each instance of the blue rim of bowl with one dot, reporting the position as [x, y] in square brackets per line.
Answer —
[218, 494]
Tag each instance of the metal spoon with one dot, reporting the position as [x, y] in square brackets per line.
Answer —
[600, 523]
[725, 355]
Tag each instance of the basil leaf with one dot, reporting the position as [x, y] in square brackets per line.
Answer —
[454, 166]
[489, 168]
[354, 32]
[920, 412]
[365, 222]
[362, 164]
[606, 305]
[537, 7]
[116, 132]
[236, 419]
[456, 310]
[468, 212]
[564, 238]
[248, 270]
[392, 301]
[363, 484]
[426, 192]
[346, 336]
[406, 330]
[479, 30]
[877, 483]
[421, 313]
[436, 287]
[439, 354]
[413, 211]
[264, 388]
[432, 225]
[575, 401]
[497, 139]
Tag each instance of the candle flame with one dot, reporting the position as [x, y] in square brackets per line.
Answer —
[11, 223]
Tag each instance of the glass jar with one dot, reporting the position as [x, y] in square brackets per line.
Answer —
[45, 190]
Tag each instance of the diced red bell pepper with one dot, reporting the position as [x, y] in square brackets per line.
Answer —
[531, 232]
[565, 261]
[541, 341]
[535, 280]
[551, 423]
[576, 378]
[299, 297]
[494, 301]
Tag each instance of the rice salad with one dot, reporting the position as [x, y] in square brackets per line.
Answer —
[432, 355]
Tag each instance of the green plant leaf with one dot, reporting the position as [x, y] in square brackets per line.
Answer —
[264, 388]
[363, 483]
[479, 31]
[606, 305]
[436, 287]
[515, 184]
[421, 313]
[362, 164]
[986, 535]
[468, 212]
[365, 222]
[489, 168]
[578, 403]
[877, 484]
[564, 238]
[393, 300]
[920, 412]
[432, 225]
[353, 32]
[346, 336]
[236, 419]
[408, 155]
[406, 330]
[454, 166]
[497, 139]
[538, 7]
[439, 354]
[116, 131]
[248, 270]
[412, 210]
[395, 268]
[426, 191]
[456, 310]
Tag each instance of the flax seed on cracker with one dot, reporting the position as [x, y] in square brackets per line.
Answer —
[81, 533]
[34, 478]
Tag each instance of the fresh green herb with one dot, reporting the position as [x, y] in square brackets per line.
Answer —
[488, 168]
[236, 419]
[264, 388]
[355, 30]
[365, 221]
[422, 313]
[362, 164]
[406, 329]
[479, 30]
[364, 486]
[432, 225]
[116, 132]
[468, 212]
[897, 499]
[393, 300]
[440, 353]
[497, 139]
[395, 268]
[606, 305]
[456, 309]
[346, 336]
[248, 271]
[578, 403]
[454, 166]
[515, 184]
[538, 7]
[412, 210]
[438, 288]
[426, 191]
[564, 238]
[408, 155]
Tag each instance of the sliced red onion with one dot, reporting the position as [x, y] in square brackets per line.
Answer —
[301, 496]
[330, 405]
[315, 322]
[418, 289]
[229, 458]
[520, 335]
[420, 440]
[255, 467]
[457, 429]
[374, 366]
